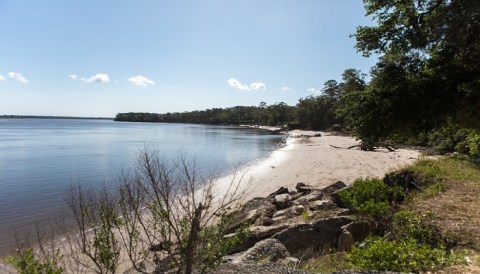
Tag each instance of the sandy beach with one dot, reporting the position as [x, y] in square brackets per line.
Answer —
[313, 161]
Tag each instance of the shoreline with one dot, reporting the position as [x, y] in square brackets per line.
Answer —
[312, 160]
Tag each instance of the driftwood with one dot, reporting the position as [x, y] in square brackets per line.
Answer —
[388, 147]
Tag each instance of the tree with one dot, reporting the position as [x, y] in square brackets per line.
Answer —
[427, 75]
[176, 212]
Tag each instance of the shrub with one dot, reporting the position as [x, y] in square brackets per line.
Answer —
[409, 225]
[371, 198]
[26, 262]
[403, 255]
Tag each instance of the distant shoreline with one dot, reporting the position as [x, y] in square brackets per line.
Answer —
[52, 117]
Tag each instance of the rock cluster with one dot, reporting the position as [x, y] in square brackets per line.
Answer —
[292, 225]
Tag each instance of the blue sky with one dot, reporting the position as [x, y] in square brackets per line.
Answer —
[101, 57]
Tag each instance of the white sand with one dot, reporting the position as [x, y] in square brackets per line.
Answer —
[314, 162]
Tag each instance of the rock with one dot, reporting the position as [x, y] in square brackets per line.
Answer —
[279, 218]
[296, 210]
[282, 190]
[264, 221]
[280, 213]
[262, 232]
[335, 197]
[301, 201]
[314, 195]
[268, 250]
[296, 195]
[334, 187]
[302, 240]
[321, 205]
[303, 188]
[283, 200]
[359, 230]
[249, 216]
[345, 241]
[342, 212]
[258, 233]
[263, 206]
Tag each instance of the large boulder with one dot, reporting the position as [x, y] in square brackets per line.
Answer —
[303, 188]
[345, 241]
[312, 196]
[303, 240]
[334, 187]
[257, 233]
[281, 190]
[321, 205]
[268, 250]
[359, 230]
[246, 217]
[283, 201]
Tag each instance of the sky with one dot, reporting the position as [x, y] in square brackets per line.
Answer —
[96, 58]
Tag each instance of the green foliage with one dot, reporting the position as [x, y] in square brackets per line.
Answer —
[371, 198]
[214, 245]
[402, 255]
[408, 225]
[25, 261]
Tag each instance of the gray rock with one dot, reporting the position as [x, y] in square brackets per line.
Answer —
[264, 221]
[335, 197]
[303, 188]
[280, 213]
[249, 216]
[359, 230]
[314, 195]
[283, 200]
[345, 241]
[334, 187]
[268, 250]
[282, 190]
[321, 205]
[304, 239]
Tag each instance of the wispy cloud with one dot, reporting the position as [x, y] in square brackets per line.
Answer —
[18, 76]
[141, 81]
[2, 78]
[313, 90]
[286, 88]
[97, 78]
[252, 86]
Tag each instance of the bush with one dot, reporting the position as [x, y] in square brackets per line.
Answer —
[408, 225]
[403, 255]
[26, 262]
[371, 198]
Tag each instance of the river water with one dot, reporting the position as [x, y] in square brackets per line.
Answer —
[41, 158]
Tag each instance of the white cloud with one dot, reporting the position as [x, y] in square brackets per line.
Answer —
[141, 81]
[2, 78]
[314, 90]
[236, 84]
[285, 88]
[256, 86]
[98, 78]
[252, 86]
[18, 76]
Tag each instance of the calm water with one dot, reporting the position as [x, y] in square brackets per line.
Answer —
[41, 158]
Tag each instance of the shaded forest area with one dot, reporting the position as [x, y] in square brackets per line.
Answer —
[424, 89]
